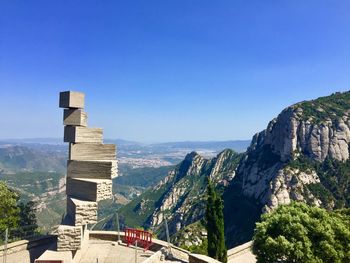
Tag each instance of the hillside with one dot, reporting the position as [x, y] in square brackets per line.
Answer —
[181, 195]
[42, 158]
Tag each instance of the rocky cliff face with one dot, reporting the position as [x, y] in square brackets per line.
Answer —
[180, 197]
[318, 130]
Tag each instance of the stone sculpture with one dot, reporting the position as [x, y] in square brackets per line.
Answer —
[90, 169]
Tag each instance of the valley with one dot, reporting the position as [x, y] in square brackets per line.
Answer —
[36, 168]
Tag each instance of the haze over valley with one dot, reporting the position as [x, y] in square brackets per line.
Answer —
[36, 169]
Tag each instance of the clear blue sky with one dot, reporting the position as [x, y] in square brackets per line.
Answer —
[168, 70]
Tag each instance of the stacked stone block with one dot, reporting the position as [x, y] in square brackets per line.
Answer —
[90, 169]
[69, 237]
[81, 212]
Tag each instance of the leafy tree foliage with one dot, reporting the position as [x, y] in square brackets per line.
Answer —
[300, 233]
[27, 225]
[9, 211]
[20, 219]
[215, 225]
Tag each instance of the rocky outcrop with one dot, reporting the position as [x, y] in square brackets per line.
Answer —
[290, 185]
[290, 133]
[318, 130]
[180, 196]
[184, 200]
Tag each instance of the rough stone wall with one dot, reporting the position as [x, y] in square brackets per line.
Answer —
[104, 190]
[82, 212]
[69, 238]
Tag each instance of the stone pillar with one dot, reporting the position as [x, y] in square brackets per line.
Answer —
[90, 169]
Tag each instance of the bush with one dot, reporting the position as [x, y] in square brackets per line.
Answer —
[300, 233]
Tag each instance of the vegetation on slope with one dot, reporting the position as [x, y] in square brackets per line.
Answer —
[193, 237]
[329, 107]
[32, 184]
[334, 188]
[19, 158]
[141, 177]
[186, 178]
[138, 212]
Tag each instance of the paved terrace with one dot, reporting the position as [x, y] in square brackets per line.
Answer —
[104, 248]
[111, 252]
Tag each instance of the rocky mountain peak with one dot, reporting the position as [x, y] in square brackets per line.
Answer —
[317, 130]
[191, 156]
[181, 195]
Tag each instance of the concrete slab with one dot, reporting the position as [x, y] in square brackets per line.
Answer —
[247, 257]
[79, 134]
[89, 189]
[92, 169]
[75, 117]
[108, 252]
[72, 99]
[90, 152]
[51, 256]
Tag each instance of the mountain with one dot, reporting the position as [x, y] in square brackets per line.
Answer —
[43, 158]
[141, 177]
[180, 196]
[303, 151]
[303, 155]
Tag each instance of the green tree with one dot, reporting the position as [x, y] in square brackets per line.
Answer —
[211, 221]
[215, 225]
[9, 211]
[300, 233]
[20, 218]
[27, 225]
[221, 247]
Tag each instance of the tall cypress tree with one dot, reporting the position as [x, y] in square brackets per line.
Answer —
[211, 220]
[215, 225]
[221, 247]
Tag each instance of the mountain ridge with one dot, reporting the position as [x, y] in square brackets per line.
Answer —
[180, 196]
[300, 156]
